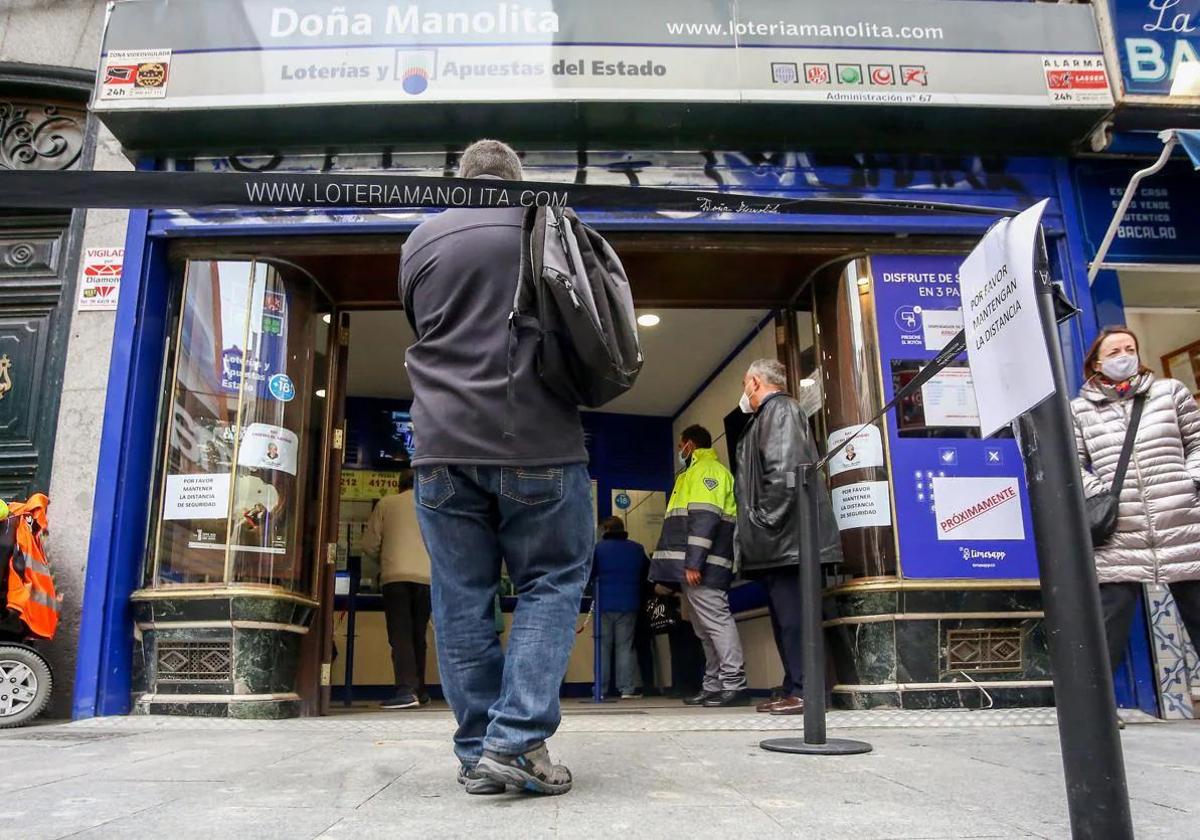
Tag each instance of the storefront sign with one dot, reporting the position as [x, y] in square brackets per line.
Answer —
[100, 278]
[1152, 39]
[865, 504]
[864, 452]
[168, 54]
[939, 463]
[1161, 224]
[1005, 341]
[196, 496]
[264, 446]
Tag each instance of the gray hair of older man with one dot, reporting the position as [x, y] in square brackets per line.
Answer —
[769, 371]
[490, 157]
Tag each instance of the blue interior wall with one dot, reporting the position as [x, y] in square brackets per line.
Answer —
[628, 452]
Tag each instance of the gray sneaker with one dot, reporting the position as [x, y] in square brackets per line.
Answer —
[532, 771]
[476, 784]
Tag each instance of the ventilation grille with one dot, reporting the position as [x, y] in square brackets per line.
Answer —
[991, 650]
[195, 662]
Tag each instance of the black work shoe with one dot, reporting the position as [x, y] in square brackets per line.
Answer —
[401, 701]
[699, 699]
[476, 784]
[727, 698]
[532, 771]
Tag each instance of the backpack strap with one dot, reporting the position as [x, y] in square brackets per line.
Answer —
[527, 265]
[1139, 402]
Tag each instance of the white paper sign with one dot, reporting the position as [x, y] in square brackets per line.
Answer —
[100, 278]
[135, 74]
[977, 508]
[939, 326]
[949, 399]
[865, 504]
[1005, 342]
[268, 447]
[197, 496]
[865, 451]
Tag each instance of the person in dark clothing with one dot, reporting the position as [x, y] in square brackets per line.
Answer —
[520, 494]
[620, 567]
[772, 446]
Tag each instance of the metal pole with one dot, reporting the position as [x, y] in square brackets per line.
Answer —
[1097, 796]
[1126, 199]
[807, 511]
[597, 648]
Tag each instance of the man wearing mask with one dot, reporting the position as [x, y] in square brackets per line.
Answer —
[695, 552]
[772, 446]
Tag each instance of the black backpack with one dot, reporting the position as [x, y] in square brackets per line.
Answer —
[573, 292]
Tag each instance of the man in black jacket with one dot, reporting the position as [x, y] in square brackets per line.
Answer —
[772, 446]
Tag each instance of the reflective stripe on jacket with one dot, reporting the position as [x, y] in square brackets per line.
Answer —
[698, 526]
[1158, 521]
[31, 593]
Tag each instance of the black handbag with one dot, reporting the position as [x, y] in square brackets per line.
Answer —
[1102, 509]
[662, 613]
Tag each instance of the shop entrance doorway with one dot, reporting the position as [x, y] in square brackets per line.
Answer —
[719, 302]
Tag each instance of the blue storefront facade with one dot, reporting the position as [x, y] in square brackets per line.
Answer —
[916, 619]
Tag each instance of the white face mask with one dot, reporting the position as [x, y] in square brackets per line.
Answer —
[1120, 368]
[744, 404]
[685, 457]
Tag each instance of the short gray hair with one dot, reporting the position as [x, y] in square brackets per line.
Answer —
[770, 371]
[490, 157]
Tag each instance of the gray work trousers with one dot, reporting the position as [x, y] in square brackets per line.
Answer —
[724, 665]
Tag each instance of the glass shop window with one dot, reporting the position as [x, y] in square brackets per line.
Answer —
[245, 408]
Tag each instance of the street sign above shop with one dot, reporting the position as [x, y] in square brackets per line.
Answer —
[1146, 43]
[662, 70]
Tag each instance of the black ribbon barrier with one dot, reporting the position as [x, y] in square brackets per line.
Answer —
[200, 190]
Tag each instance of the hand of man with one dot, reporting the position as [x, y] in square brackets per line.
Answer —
[693, 577]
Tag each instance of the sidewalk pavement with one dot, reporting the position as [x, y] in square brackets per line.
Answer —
[638, 774]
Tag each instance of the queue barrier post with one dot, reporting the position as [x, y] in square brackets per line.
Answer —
[814, 742]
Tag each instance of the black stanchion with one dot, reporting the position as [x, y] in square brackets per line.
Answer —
[814, 741]
[1097, 796]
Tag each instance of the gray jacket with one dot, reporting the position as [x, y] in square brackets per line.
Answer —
[459, 270]
[1158, 528]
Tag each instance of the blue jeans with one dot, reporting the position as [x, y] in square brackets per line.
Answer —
[616, 635]
[539, 522]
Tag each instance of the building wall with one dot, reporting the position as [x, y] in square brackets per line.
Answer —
[61, 33]
[65, 34]
[77, 446]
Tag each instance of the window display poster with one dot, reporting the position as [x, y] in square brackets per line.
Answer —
[864, 452]
[916, 301]
[264, 446]
[864, 504]
[196, 496]
[265, 353]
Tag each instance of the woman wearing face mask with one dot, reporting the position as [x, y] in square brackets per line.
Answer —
[1158, 526]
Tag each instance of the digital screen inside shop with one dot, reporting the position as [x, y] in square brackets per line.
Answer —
[396, 443]
[960, 502]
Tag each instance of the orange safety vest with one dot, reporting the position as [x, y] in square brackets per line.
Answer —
[31, 592]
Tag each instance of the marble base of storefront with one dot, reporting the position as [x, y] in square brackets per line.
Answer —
[213, 652]
[919, 645]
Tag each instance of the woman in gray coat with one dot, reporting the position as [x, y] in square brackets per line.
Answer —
[1158, 526]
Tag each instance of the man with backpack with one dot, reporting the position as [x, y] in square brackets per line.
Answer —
[501, 475]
